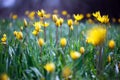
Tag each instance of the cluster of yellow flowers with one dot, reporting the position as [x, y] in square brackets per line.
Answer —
[102, 19]
[37, 28]
[4, 39]
[18, 35]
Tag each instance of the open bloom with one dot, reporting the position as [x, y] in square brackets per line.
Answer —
[66, 72]
[78, 17]
[31, 15]
[41, 13]
[49, 67]
[96, 35]
[18, 35]
[45, 24]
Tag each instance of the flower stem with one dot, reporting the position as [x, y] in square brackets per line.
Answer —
[56, 35]
[44, 34]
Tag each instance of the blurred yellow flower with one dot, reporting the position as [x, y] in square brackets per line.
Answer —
[109, 58]
[71, 28]
[75, 55]
[66, 72]
[78, 17]
[64, 13]
[14, 16]
[4, 39]
[25, 22]
[119, 20]
[55, 11]
[90, 21]
[54, 17]
[19, 35]
[4, 77]
[37, 26]
[103, 19]
[47, 16]
[70, 22]
[113, 20]
[61, 21]
[35, 32]
[41, 42]
[88, 15]
[41, 13]
[31, 15]
[82, 50]
[26, 12]
[45, 24]
[96, 14]
[96, 35]
[49, 67]
[111, 44]
[63, 42]
[58, 23]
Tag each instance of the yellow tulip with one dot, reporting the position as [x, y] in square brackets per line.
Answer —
[41, 42]
[49, 67]
[4, 77]
[54, 17]
[111, 44]
[63, 42]
[25, 22]
[41, 13]
[75, 55]
[82, 50]
[109, 58]
[45, 24]
[70, 22]
[64, 13]
[35, 32]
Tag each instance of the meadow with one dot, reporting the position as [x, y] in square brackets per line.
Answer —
[52, 48]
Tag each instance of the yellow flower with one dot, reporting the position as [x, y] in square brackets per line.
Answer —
[82, 50]
[109, 58]
[103, 19]
[61, 21]
[47, 15]
[37, 26]
[45, 24]
[54, 17]
[25, 22]
[90, 21]
[58, 23]
[88, 15]
[35, 32]
[15, 33]
[78, 17]
[19, 35]
[96, 35]
[66, 72]
[63, 42]
[26, 12]
[41, 13]
[31, 15]
[4, 39]
[64, 12]
[14, 16]
[41, 42]
[49, 67]
[111, 44]
[21, 28]
[70, 22]
[55, 11]
[4, 77]
[71, 28]
[96, 14]
[75, 55]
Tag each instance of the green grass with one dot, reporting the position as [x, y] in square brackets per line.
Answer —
[24, 60]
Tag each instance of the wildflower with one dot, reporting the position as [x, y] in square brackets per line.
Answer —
[88, 15]
[54, 18]
[45, 24]
[41, 42]
[63, 42]
[4, 39]
[25, 22]
[96, 35]
[58, 23]
[41, 13]
[26, 12]
[19, 35]
[70, 22]
[82, 50]
[14, 16]
[111, 44]
[66, 72]
[55, 11]
[47, 16]
[61, 21]
[49, 67]
[4, 77]
[31, 15]
[90, 21]
[103, 19]
[75, 55]
[78, 17]
[37, 26]
[64, 13]
[71, 28]
[96, 14]
[35, 32]
[109, 58]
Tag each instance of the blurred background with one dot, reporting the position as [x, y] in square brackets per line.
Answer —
[111, 7]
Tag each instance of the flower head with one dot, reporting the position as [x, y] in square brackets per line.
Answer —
[4, 39]
[41, 42]
[75, 55]
[4, 77]
[25, 22]
[41, 13]
[45, 24]
[63, 42]
[78, 17]
[31, 15]
[64, 13]
[49, 67]
[111, 44]
[54, 17]
[82, 50]
[66, 72]
[70, 22]
[96, 35]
